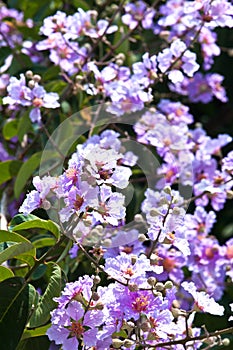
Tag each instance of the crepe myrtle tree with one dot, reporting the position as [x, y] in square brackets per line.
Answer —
[115, 183]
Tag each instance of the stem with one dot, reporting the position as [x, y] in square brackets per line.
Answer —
[188, 339]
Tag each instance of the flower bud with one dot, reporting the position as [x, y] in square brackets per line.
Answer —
[176, 211]
[142, 238]
[36, 78]
[168, 285]
[159, 286]
[128, 343]
[153, 259]
[31, 84]
[96, 279]
[225, 342]
[29, 74]
[167, 190]
[117, 343]
[138, 218]
[95, 296]
[133, 259]
[107, 243]
[99, 306]
[151, 281]
[133, 287]
[229, 196]
[155, 212]
[145, 326]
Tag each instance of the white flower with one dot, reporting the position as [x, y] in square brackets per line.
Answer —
[203, 301]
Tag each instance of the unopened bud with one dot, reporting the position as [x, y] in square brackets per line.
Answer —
[78, 78]
[138, 218]
[159, 286]
[107, 243]
[128, 343]
[167, 189]
[157, 294]
[133, 287]
[29, 74]
[145, 326]
[117, 343]
[133, 259]
[142, 238]
[99, 306]
[229, 196]
[176, 211]
[36, 78]
[176, 304]
[226, 342]
[153, 259]
[155, 212]
[151, 281]
[31, 84]
[95, 296]
[175, 312]
[168, 285]
[96, 279]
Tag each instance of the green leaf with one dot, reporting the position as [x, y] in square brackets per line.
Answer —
[19, 218]
[10, 129]
[124, 47]
[40, 223]
[9, 169]
[21, 249]
[35, 343]
[24, 126]
[44, 242]
[14, 311]
[26, 172]
[37, 332]
[41, 315]
[5, 273]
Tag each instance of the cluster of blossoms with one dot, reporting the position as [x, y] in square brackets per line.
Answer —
[64, 34]
[84, 192]
[31, 94]
[90, 316]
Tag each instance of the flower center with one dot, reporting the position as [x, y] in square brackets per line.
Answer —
[140, 304]
[76, 329]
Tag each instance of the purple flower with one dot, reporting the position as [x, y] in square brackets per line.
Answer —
[146, 71]
[136, 13]
[203, 302]
[71, 326]
[200, 223]
[41, 98]
[124, 269]
[227, 163]
[78, 200]
[175, 112]
[20, 94]
[126, 96]
[172, 59]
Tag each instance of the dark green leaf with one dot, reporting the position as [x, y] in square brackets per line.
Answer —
[24, 126]
[40, 223]
[41, 315]
[14, 311]
[22, 249]
[5, 273]
[19, 218]
[26, 171]
[9, 169]
[37, 332]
